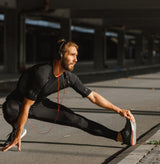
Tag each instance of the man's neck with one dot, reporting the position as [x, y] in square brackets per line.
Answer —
[57, 68]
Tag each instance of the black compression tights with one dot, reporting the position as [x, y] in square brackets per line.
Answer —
[47, 111]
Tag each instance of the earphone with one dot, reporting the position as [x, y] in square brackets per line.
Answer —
[59, 53]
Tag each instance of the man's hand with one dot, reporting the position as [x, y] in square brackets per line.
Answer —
[27, 103]
[15, 142]
[127, 114]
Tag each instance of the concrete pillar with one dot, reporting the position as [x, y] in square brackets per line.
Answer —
[139, 49]
[11, 41]
[22, 45]
[150, 49]
[99, 48]
[158, 61]
[65, 31]
[121, 48]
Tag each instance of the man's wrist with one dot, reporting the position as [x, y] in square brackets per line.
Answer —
[118, 110]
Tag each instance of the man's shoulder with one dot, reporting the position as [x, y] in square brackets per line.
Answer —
[43, 68]
[72, 77]
[41, 71]
[70, 74]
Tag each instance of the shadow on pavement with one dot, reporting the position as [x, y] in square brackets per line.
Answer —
[66, 144]
[122, 87]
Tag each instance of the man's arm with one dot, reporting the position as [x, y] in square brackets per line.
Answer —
[99, 100]
[27, 103]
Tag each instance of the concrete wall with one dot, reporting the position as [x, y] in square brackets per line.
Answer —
[8, 3]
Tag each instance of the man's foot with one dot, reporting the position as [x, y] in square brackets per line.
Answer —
[12, 134]
[129, 133]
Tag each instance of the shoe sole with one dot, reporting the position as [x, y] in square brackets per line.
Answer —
[133, 136]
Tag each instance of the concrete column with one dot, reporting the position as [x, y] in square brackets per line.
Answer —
[158, 61]
[22, 46]
[65, 31]
[150, 49]
[139, 49]
[121, 48]
[11, 41]
[99, 48]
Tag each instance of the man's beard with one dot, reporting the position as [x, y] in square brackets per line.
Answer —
[66, 66]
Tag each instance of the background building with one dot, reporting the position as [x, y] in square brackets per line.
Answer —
[110, 33]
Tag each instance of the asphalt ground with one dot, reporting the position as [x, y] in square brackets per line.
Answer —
[69, 145]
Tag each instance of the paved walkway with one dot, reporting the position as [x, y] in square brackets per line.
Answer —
[68, 145]
[144, 153]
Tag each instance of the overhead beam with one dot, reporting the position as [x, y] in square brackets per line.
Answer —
[140, 19]
[24, 5]
[116, 13]
[105, 4]
[30, 5]
[136, 22]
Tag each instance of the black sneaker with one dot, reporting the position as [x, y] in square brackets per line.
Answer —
[12, 135]
[129, 133]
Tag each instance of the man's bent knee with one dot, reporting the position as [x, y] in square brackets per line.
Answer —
[10, 110]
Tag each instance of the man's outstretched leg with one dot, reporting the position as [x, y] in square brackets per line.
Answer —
[47, 111]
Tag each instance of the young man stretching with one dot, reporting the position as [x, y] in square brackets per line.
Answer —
[29, 100]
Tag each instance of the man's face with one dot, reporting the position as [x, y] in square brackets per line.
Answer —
[70, 58]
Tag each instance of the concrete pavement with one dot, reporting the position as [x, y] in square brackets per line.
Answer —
[145, 152]
[69, 145]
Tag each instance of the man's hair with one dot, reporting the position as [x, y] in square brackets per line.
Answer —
[63, 45]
